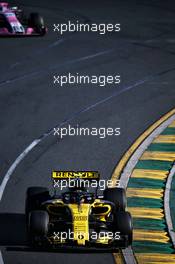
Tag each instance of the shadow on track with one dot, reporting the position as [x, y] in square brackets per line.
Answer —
[12, 229]
[13, 235]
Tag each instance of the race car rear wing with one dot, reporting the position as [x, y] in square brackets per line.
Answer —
[65, 175]
[63, 179]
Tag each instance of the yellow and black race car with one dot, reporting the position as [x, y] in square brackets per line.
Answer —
[78, 217]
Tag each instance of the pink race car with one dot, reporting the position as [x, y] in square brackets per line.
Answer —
[13, 22]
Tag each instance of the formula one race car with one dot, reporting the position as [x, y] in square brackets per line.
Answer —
[13, 22]
[78, 218]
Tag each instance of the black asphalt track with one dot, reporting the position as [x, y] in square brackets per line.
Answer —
[143, 53]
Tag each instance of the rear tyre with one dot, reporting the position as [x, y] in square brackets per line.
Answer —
[116, 196]
[37, 22]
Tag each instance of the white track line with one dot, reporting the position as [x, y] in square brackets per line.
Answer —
[69, 62]
[52, 45]
[129, 256]
[15, 164]
[126, 174]
[1, 259]
[167, 205]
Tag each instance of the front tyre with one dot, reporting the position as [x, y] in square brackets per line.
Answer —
[123, 223]
[37, 22]
[34, 197]
[38, 227]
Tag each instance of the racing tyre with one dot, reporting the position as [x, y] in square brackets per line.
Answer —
[38, 227]
[123, 224]
[34, 197]
[37, 22]
[38, 223]
[116, 196]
